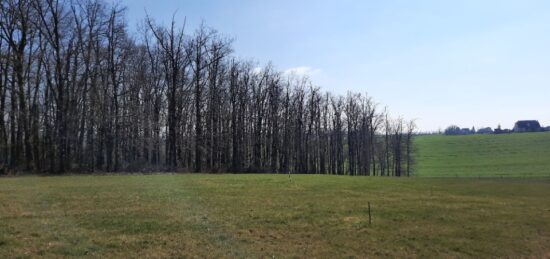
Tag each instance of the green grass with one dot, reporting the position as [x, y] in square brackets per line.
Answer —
[506, 155]
[269, 216]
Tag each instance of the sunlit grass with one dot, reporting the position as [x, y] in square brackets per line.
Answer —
[504, 155]
[269, 215]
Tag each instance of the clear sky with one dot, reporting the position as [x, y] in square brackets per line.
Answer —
[468, 62]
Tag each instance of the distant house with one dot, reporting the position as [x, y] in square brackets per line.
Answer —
[500, 130]
[465, 131]
[527, 126]
[487, 130]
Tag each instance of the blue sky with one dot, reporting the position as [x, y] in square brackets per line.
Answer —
[470, 62]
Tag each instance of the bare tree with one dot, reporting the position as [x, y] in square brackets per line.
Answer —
[175, 61]
[410, 129]
[78, 92]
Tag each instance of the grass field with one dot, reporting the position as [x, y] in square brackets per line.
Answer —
[269, 216]
[506, 155]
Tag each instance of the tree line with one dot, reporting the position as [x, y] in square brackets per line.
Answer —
[79, 93]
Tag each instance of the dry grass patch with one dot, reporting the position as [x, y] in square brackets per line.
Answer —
[158, 216]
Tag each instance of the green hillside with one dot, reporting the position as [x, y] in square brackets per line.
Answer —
[506, 155]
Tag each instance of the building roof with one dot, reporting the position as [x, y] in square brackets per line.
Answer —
[528, 124]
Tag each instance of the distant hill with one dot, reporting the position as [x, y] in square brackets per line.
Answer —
[506, 155]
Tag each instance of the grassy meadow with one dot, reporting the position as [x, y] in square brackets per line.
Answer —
[196, 215]
[447, 212]
[506, 155]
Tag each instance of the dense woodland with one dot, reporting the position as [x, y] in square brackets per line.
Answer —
[80, 93]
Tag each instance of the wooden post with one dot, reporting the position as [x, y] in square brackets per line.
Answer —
[369, 213]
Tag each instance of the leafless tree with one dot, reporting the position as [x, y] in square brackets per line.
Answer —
[78, 92]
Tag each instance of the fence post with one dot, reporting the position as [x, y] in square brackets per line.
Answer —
[369, 213]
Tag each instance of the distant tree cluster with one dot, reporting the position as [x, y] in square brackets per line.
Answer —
[519, 126]
[78, 93]
[452, 130]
